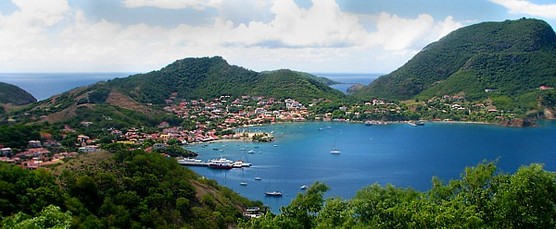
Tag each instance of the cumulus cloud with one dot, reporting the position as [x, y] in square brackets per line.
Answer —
[322, 37]
[172, 4]
[526, 7]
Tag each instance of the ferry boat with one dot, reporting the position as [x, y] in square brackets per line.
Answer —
[221, 163]
[190, 161]
[274, 194]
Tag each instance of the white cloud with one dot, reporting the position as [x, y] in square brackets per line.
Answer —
[171, 4]
[319, 38]
[526, 7]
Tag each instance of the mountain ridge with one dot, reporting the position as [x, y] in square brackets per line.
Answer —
[479, 54]
[12, 94]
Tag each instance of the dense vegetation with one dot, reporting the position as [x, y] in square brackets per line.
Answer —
[194, 78]
[482, 198]
[123, 190]
[15, 95]
[510, 57]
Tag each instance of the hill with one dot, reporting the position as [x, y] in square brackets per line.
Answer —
[137, 100]
[122, 189]
[210, 77]
[512, 58]
[14, 95]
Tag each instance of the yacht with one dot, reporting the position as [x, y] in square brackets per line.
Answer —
[275, 194]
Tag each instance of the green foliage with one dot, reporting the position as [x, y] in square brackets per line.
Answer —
[195, 78]
[50, 217]
[13, 94]
[128, 189]
[17, 136]
[482, 198]
[512, 57]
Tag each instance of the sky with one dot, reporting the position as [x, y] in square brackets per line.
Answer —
[340, 36]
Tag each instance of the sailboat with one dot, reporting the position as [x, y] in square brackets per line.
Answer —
[335, 150]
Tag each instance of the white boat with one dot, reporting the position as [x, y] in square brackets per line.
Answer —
[190, 161]
[251, 151]
[274, 193]
[335, 151]
[258, 178]
[243, 183]
[303, 187]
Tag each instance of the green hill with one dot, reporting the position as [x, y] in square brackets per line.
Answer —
[194, 78]
[511, 57]
[137, 100]
[15, 95]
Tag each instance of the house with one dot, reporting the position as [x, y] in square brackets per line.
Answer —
[34, 144]
[6, 151]
[88, 149]
[544, 88]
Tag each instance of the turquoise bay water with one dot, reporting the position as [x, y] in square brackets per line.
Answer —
[400, 154]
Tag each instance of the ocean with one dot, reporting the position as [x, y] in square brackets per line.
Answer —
[44, 85]
[399, 154]
[349, 79]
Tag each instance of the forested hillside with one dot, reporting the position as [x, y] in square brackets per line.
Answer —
[127, 189]
[194, 78]
[15, 95]
[511, 58]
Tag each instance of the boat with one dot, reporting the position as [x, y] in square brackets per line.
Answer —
[303, 187]
[190, 161]
[221, 163]
[258, 178]
[368, 123]
[274, 194]
[420, 123]
[335, 151]
[243, 183]
[251, 151]
[240, 164]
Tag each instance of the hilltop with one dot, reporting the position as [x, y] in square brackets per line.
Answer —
[209, 77]
[138, 100]
[12, 94]
[509, 59]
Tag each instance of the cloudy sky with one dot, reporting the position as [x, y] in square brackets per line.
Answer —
[355, 36]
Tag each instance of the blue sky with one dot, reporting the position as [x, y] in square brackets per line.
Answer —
[371, 36]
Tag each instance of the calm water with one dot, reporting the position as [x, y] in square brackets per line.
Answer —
[45, 85]
[399, 154]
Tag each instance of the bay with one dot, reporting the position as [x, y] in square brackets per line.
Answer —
[399, 154]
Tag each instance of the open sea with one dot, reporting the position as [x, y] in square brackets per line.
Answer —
[349, 79]
[44, 85]
[399, 154]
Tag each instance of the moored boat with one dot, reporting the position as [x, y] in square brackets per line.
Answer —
[221, 163]
[274, 194]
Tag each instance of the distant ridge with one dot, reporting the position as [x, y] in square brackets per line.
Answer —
[11, 94]
[510, 57]
[138, 99]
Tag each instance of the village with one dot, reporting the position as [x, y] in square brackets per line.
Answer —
[218, 119]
